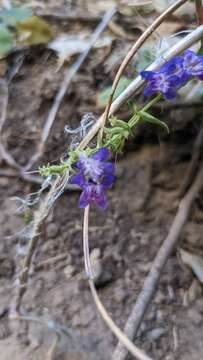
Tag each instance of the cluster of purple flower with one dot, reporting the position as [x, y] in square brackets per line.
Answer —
[95, 175]
[173, 74]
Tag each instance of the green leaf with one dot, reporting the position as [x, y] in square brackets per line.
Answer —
[114, 121]
[6, 40]
[33, 31]
[104, 94]
[153, 120]
[14, 15]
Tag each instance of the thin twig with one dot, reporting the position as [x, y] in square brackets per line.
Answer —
[4, 104]
[51, 261]
[69, 75]
[18, 61]
[151, 281]
[137, 83]
[147, 33]
[199, 11]
[88, 268]
[134, 350]
[51, 352]
[33, 179]
[15, 68]
[67, 16]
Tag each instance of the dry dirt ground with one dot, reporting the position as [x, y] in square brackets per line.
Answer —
[123, 240]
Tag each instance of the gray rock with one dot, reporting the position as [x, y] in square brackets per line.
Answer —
[102, 268]
[69, 271]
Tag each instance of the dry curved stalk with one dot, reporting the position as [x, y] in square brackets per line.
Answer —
[151, 281]
[133, 349]
[4, 154]
[199, 11]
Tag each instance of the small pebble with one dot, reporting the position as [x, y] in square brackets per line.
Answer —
[155, 334]
[120, 295]
[69, 271]
[194, 316]
[52, 230]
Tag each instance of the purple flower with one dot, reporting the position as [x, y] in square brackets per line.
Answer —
[95, 176]
[96, 165]
[175, 67]
[160, 82]
[170, 76]
[173, 74]
[193, 64]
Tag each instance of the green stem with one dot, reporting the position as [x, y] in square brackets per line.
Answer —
[135, 118]
[152, 102]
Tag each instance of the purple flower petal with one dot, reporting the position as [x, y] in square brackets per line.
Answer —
[91, 168]
[84, 199]
[102, 154]
[174, 80]
[148, 75]
[81, 163]
[192, 63]
[101, 201]
[94, 177]
[93, 193]
[161, 82]
[78, 179]
[171, 75]
[108, 181]
[170, 94]
[173, 66]
[148, 91]
[200, 77]
[108, 168]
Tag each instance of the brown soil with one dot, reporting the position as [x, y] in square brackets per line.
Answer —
[124, 240]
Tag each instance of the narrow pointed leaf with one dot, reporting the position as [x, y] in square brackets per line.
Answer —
[153, 120]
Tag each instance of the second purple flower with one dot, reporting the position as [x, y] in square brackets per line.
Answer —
[173, 74]
[95, 175]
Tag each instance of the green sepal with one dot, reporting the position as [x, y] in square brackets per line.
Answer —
[153, 120]
[114, 121]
